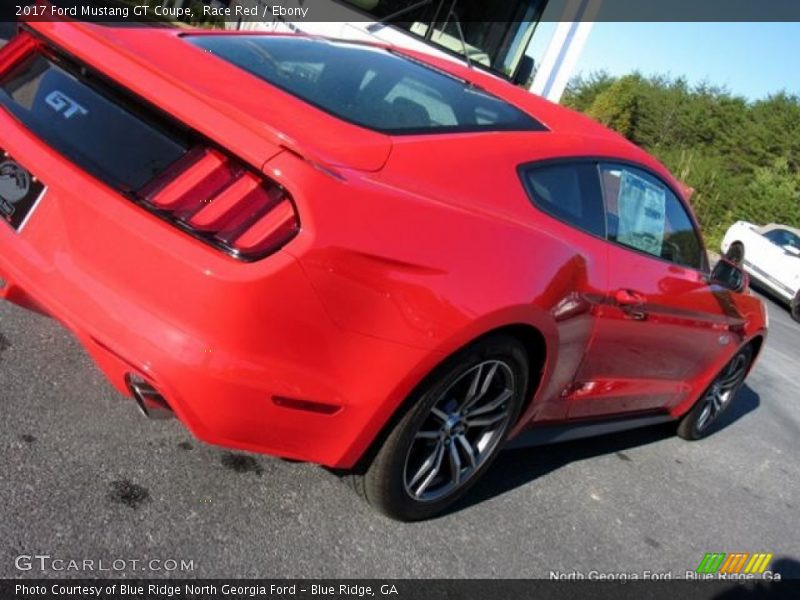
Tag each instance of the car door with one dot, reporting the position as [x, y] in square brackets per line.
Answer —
[662, 323]
[779, 265]
[568, 193]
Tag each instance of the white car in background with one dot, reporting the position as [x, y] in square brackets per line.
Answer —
[771, 255]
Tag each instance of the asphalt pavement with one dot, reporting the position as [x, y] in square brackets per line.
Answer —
[84, 477]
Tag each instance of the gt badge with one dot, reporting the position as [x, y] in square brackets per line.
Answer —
[64, 105]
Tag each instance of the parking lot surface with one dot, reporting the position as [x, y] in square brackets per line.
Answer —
[84, 477]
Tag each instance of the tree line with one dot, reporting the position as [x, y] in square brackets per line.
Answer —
[741, 158]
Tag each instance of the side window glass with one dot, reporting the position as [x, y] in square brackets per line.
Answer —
[569, 192]
[781, 237]
[772, 236]
[644, 214]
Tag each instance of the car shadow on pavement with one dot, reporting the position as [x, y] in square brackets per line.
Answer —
[515, 468]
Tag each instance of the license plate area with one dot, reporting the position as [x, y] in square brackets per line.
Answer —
[20, 192]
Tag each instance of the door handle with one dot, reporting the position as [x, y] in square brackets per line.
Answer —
[629, 298]
[631, 303]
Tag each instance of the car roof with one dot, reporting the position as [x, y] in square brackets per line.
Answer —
[573, 133]
[164, 52]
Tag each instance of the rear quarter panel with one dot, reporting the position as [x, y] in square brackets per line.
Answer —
[431, 255]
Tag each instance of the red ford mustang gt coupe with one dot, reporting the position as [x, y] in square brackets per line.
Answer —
[375, 260]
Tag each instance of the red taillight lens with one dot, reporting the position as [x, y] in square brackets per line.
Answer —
[219, 200]
[207, 192]
[16, 49]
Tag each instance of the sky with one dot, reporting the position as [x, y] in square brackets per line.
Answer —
[750, 59]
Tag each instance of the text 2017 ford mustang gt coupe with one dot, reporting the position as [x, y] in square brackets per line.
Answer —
[375, 260]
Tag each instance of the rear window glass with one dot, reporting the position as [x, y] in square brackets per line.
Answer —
[368, 86]
[116, 143]
[569, 192]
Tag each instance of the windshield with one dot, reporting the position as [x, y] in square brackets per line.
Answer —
[369, 86]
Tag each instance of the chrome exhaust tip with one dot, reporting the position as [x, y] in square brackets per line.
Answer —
[151, 404]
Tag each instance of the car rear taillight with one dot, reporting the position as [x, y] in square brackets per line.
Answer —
[217, 199]
[172, 171]
[16, 49]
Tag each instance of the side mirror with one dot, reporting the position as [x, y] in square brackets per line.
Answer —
[524, 71]
[789, 249]
[730, 276]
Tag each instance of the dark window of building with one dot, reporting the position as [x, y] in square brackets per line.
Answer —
[369, 86]
[496, 34]
[568, 192]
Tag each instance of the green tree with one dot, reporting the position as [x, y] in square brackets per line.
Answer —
[742, 159]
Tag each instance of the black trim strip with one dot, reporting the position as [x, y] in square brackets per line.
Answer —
[552, 434]
[766, 277]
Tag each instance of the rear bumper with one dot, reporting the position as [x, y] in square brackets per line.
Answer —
[218, 338]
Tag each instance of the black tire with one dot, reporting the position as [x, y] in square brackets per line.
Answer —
[795, 308]
[735, 253]
[385, 482]
[700, 421]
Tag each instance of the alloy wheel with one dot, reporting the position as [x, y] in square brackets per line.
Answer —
[724, 388]
[461, 431]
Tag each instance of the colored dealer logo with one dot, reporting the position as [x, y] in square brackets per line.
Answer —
[742, 562]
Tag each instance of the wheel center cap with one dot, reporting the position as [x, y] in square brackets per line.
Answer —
[452, 424]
